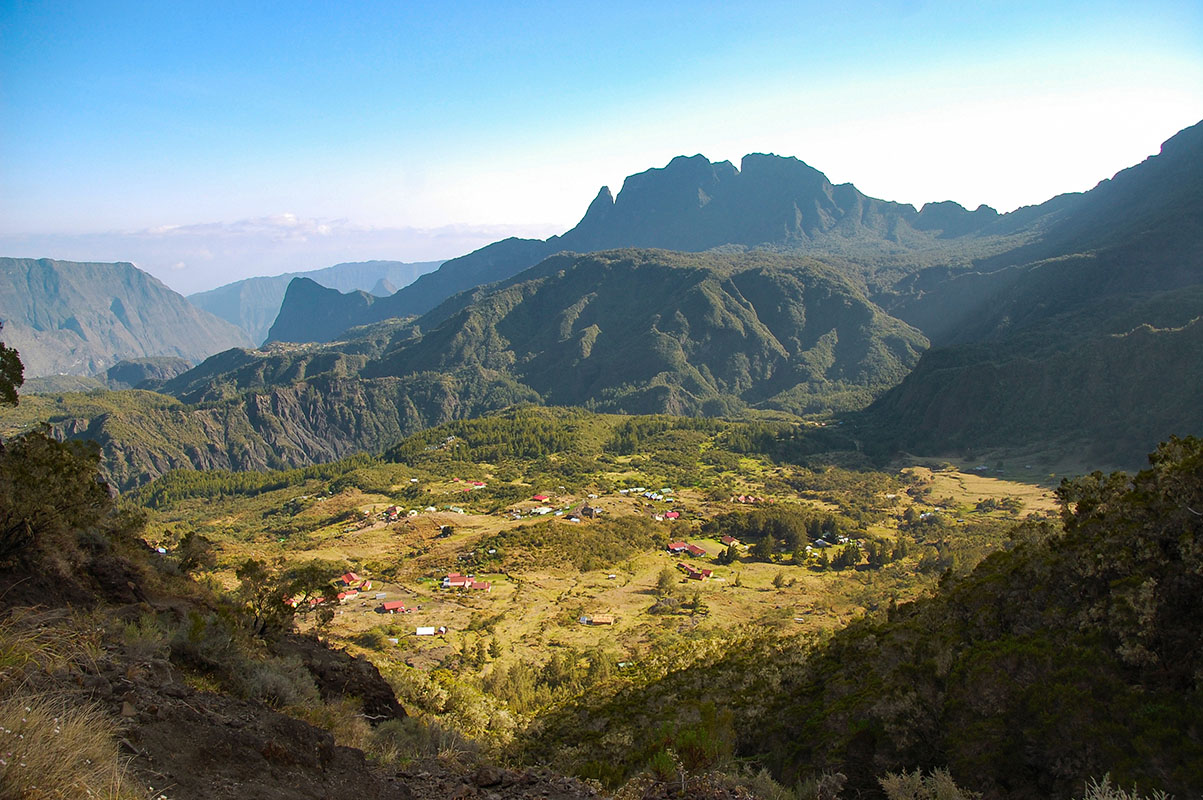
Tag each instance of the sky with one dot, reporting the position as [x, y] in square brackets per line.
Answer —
[210, 141]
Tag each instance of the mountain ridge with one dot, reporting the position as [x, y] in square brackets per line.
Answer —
[690, 205]
[80, 318]
[254, 303]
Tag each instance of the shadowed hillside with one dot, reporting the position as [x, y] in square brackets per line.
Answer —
[81, 319]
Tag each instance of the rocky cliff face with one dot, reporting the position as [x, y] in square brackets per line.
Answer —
[690, 205]
[316, 420]
[82, 318]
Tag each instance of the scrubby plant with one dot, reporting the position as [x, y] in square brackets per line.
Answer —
[280, 682]
[937, 785]
[342, 717]
[144, 639]
[1104, 790]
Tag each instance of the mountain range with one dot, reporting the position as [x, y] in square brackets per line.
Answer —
[82, 318]
[1070, 325]
[690, 205]
[253, 303]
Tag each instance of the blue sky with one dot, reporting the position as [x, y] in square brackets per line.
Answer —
[207, 141]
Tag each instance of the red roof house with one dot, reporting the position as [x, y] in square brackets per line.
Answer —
[393, 607]
[455, 581]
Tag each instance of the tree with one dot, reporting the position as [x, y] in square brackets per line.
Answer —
[193, 552]
[12, 374]
[846, 556]
[313, 581]
[728, 556]
[665, 582]
[779, 580]
[763, 550]
[48, 490]
[262, 596]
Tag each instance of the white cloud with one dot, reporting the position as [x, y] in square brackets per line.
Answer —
[198, 256]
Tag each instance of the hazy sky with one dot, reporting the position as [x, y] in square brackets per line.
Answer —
[208, 141]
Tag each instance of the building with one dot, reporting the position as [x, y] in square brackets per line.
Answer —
[455, 580]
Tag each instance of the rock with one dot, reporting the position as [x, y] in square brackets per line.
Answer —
[487, 775]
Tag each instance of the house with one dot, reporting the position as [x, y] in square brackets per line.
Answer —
[350, 594]
[672, 515]
[455, 581]
[392, 607]
[693, 549]
[540, 498]
[693, 573]
[349, 579]
[602, 619]
[483, 586]
[730, 541]
[677, 547]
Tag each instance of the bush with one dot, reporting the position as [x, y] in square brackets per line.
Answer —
[403, 740]
[1103, 790]
[343, 718]
[939, 785]
[280, 682]
[145, 639]
[48, 490]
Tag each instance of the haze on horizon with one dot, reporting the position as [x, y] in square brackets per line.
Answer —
[212, 141]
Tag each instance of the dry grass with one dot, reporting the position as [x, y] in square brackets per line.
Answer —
[51, 750]
[343, 718]
[51, 746]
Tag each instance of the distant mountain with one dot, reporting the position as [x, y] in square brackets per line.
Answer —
[139, 373]
[694, 205]
[1071, 326]
[82, 318]
[1097, 342]
[627, 330]
[253, 304]
[647, 331]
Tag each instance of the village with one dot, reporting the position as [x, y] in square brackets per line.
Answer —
[432, 567]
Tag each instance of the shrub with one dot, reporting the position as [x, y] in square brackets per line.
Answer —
[402, 740]
[280, 682]
[342, 717]
[1103, 790]
[939, 785]
[145, 639]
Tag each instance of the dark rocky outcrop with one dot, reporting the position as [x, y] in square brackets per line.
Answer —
[340, 675]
